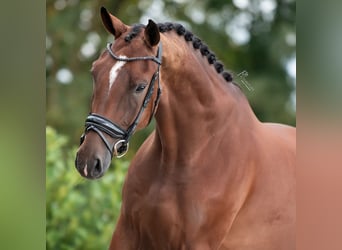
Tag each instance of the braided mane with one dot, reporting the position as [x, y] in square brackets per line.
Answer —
[189, 37]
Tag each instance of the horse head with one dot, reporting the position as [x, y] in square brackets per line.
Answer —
[126, 92]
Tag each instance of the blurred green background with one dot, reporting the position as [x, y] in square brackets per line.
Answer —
[257, 36]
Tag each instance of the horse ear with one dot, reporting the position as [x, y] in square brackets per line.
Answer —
[152, 35]
[112, 24]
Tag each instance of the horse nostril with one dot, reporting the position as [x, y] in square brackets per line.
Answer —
[97, 168]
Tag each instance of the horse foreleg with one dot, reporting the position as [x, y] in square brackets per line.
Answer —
[120, 240]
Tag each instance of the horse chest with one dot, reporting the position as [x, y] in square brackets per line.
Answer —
[172, 210]
[162, 216]
[156, 211]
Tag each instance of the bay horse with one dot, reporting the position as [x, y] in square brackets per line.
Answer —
[211, 175]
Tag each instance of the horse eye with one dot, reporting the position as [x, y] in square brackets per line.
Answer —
[140, 88]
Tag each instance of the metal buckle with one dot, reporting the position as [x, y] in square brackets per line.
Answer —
[120, 148]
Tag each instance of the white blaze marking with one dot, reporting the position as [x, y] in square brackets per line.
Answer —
[115, 70]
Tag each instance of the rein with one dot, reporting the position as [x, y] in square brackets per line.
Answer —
[100, 124]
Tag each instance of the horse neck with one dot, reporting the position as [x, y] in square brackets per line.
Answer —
[196, 105]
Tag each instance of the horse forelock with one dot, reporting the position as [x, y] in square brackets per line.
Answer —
[135, 30]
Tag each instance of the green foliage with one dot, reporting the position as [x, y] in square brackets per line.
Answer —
[80, 214]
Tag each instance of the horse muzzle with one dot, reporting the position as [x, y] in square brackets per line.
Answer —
[92, 158]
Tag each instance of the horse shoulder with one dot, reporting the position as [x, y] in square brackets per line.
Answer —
[269, 210]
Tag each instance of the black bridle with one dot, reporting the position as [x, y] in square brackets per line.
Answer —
[100, 124]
